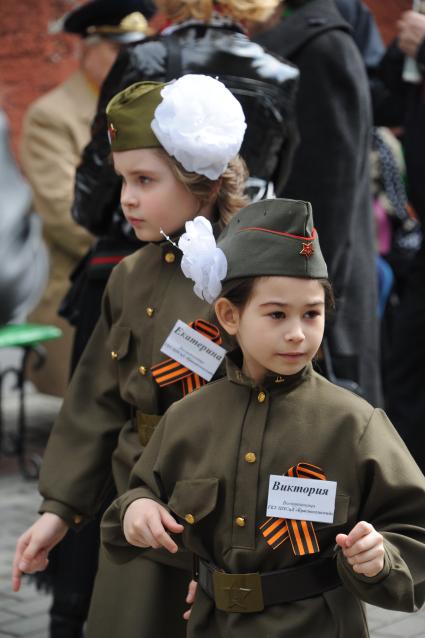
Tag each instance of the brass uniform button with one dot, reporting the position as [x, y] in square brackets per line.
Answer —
[77, 519]
[150, 312]
[250, 457]
[143, 370]
[170, 258]
[114, 354]
[240, 521]
[261, 397]
[189, 518]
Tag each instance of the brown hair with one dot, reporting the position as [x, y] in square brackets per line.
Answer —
[239, 292]
[227, 192]
[240, 10]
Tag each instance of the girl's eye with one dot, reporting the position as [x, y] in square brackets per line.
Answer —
[311, 314]
[144, 180]
[277, 314]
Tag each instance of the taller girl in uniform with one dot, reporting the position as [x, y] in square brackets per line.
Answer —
[176, 148]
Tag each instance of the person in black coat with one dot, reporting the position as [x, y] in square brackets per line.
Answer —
[405, 398]
[331, 169]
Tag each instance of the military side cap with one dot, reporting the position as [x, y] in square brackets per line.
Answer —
[130, 114]
[103, 13]
[273, 237]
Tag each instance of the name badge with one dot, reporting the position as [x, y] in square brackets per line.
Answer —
[302, 499]
[194, 351]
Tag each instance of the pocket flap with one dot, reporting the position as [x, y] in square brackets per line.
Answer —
[342, 502]
[193, 499]
[119, 341]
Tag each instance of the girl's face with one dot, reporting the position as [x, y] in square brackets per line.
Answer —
[281, 326]
[151, 196]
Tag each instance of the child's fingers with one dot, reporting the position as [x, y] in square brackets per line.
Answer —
[193, 585]
[359, 530]
[159, 537]
[364, 544]
[377, 552]
[170, 523]
[341, 540]
[186, 614]
[371, 568]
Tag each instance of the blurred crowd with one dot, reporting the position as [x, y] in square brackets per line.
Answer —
[346, 134]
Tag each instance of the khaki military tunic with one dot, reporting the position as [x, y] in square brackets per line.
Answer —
[210, 460]
[94, 441]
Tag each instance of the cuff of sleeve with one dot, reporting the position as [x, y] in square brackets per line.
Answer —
[348, 571]
[70, 516]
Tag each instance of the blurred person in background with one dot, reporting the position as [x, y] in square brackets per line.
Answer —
[55, 130]
[404, 374]
[24, 257]
[331, 169]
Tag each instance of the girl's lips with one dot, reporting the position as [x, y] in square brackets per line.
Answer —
[134, 221]
[291, 354]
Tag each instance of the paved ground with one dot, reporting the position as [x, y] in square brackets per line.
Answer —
[25, 614]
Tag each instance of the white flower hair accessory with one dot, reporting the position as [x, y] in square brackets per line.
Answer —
[202, 261]
[200, 123]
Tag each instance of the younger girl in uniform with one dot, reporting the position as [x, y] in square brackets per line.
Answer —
[176, 148]
[218, 459]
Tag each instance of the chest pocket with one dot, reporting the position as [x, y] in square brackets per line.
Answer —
[124, 353]
[193, 499]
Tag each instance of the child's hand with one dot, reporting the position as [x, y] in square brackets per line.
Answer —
[145, 522]
[34, 545]
[363, 548]
[190, 598]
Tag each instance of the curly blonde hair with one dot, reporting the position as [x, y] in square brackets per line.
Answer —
[226, 193]
[245, 11]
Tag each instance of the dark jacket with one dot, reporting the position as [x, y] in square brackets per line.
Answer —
[331, 170]
[264, 85]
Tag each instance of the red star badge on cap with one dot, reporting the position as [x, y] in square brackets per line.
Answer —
[307, 249]
[112, 132]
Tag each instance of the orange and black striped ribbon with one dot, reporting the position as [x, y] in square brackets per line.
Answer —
[301, 533]
[171, 371]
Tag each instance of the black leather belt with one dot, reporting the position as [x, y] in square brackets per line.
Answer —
[245, 593]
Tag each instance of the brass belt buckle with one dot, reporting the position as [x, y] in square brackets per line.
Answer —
[240, 593]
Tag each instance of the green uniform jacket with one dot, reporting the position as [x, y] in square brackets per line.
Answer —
[94, 442]
[196, 463]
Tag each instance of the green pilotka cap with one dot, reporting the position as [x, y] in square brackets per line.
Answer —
[273, 237]
[130, 114]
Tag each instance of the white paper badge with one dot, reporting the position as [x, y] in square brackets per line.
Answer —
[302, 499]
[196, 352]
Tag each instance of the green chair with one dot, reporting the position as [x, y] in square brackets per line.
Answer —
[29, 338]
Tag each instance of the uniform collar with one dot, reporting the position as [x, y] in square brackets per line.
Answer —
[272, 382]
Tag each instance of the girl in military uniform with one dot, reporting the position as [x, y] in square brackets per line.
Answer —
[209, 476]
[176, 148]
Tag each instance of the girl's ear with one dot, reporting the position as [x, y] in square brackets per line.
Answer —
[228, 315]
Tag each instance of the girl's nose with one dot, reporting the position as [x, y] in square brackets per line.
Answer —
[295, 333]
[128, 198]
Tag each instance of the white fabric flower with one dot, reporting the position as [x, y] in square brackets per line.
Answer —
[200, 123]
[202, 261]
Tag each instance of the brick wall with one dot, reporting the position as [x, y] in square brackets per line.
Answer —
[32, 61]
[386, 13]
